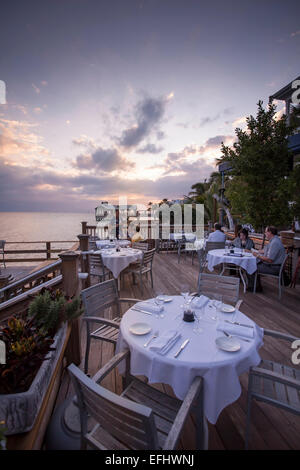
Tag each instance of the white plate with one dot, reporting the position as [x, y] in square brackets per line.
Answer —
[140, 328]
[165, 299]
[230, 344]
[228, 308]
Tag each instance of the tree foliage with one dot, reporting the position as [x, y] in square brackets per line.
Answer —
[260, 161]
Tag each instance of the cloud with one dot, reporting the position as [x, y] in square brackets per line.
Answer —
[149, 112]
[296, 33]
[150, 148]
[51, 191]
[44, 83]
[105, 160]
[19, 141]
[37, 110]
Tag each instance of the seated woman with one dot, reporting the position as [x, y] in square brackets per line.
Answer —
[243, 240]
[137, 237]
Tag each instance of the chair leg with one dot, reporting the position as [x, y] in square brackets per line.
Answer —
[151, 278]
[141, 284]
[87, 353]
[255, 280]
[248, 421]
[279, 287]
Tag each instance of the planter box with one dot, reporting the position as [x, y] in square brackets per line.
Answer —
[20, 410]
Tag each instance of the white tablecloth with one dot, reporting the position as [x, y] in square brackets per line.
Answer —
[247, 261]
[201, 357]
[101, 243]
[117, 261]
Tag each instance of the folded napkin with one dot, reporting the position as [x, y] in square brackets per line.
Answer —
[162, 344]
[149, 307]
[237, 330]
[199, 302]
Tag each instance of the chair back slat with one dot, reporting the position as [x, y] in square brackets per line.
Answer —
[148, 256]
[131, 423]
[214, 246]
[99, 297]
[228, 287]
[140, 246]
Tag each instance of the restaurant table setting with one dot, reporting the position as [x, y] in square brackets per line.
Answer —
[116, 261]
[174, 339]
[112, 243]
[234, 256]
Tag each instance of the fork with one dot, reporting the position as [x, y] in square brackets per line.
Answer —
[231, 336]
[150, 339]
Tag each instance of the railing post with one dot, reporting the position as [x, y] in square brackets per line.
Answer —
[48, 249]
[85, 265]
[83, 227]
[71, 287]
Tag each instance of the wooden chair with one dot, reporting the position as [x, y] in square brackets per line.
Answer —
[99, 301]
[144, 267]
[202, 254]
[141, 418]
[274, 383]
[276, 276]
[97, 268]
[140, 246]
[228, 287]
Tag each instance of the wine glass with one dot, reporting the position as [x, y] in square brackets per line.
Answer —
[198, 317]
[159, 300]
[184, 292]
[216, 306]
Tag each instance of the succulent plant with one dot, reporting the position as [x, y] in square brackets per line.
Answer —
[28, 338]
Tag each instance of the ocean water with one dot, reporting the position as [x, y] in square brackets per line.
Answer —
[41, 226]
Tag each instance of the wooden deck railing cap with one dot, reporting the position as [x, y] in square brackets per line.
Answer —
[68, 255]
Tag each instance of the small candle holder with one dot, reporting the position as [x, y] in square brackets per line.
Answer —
[188, 316]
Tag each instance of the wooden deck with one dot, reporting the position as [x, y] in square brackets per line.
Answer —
[271, 428]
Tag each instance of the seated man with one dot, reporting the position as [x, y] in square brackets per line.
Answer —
[217, 235]
[269, 259]
[137, 237]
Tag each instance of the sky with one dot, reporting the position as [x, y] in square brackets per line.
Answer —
[109, 98]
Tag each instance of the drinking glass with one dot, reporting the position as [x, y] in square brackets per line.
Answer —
[159, 302]
[198, 317]
[215, 307]
[185, 290]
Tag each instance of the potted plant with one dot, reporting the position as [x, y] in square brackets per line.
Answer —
[33, 344]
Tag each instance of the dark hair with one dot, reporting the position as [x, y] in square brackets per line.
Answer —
[137, 228]
[217, 226]
[272, 229]
[244, 231]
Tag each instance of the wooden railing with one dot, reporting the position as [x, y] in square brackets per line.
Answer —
[33, 280]
[66, 273]
[47, 250]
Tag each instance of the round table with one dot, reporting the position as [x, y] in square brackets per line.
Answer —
[247, 261]
[111, 244]
[117, 261]
[201, 357]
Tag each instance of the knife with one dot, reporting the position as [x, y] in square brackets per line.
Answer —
[181, 347]
[141, 311]
[237, 323]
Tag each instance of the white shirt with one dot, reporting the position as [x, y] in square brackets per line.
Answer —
[216, 236]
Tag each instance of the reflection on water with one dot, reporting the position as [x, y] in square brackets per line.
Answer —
[41, 226]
